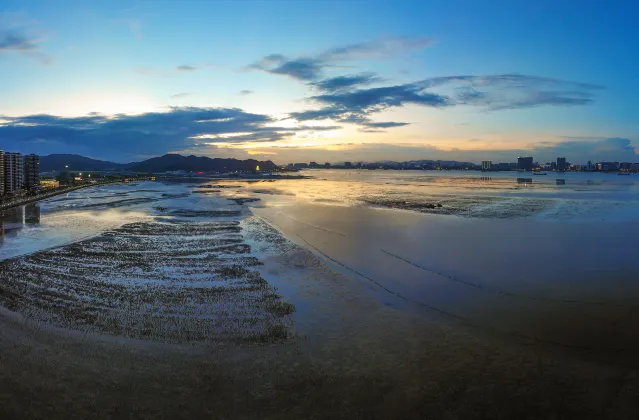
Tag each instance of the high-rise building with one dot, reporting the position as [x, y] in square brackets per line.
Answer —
[486, 165]
[589, 166]
[525, 163]
[561, 164]
[348, 165]
[13, 172]
[327, 165]
[1, 173]
[31, 171]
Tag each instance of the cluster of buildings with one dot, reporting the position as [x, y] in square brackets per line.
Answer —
[18, 173]
[409, 165]
[312, 165]
[526, 163]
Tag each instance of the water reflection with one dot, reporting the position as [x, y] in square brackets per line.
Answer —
[16, 218]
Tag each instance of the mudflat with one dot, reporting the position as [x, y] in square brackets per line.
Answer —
[217, 308]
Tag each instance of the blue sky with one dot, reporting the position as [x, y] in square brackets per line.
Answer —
[320, 80]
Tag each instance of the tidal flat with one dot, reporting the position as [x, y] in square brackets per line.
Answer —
[312, 303]
[175, 282]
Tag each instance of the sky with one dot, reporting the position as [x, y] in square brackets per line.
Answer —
[299, 81]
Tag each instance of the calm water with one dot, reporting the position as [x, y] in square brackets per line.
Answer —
[564, 197]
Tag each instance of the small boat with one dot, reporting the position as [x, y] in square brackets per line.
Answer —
[623, 173]
[540, 173]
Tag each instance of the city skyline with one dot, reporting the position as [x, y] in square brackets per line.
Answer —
[125, 81]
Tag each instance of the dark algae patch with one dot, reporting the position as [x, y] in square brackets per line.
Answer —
[172, 282]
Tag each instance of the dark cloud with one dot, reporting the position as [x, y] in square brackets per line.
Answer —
[17, 42]
[378, 99]
[185, 67]
[311, 68]
[357, 106]
[124, 137]
[318, 114]
[378, 127]
[341, 83]
[246, 92]
[388, 124]
[492, 93]
[300, 68]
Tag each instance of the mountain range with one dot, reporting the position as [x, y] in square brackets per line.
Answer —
[168, 162]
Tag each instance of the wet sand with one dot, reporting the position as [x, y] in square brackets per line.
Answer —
[352, 358]
[392, 315]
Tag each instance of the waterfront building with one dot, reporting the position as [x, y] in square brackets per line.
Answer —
[486, 165]
[1, 173]
[589, 166]
[561, 164]
[49, 183]
[327, 165]
[13, 173]
[348, 165]
[31, 171]
[525, 163]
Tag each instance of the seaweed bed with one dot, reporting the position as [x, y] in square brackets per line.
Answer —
[216, 186]
[205, 213]
[205, 191]
[243, 200]
[173, 282]
[464, 206]
[271, 192]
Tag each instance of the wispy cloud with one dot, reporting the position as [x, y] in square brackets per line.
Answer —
[381, 48]
[185, 68]
[21, 40]
[181, 95]
[17, 42]
[311, 68]
[345, 103]
[351, 99]
[246, 92]
[514, 91]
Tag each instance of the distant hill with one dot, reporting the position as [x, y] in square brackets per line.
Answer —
[170, 162]
[59, 162]
[173, 162]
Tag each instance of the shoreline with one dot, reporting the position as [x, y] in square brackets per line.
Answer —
[35, 199]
